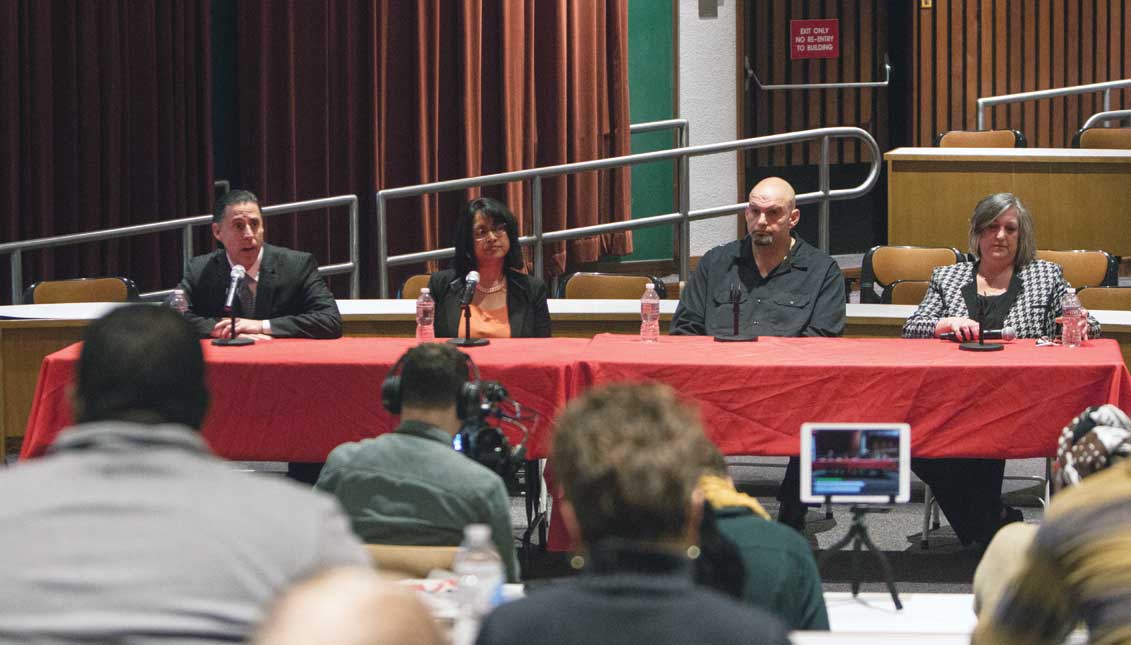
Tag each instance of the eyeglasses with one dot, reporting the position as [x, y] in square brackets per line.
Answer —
[481, 232]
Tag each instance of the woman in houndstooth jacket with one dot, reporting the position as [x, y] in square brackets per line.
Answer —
[1008, 287]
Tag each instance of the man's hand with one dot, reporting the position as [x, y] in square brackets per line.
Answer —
[244, 327]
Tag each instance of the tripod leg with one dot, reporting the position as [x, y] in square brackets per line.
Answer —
[837, 546]
[855, 562]
[889, 577]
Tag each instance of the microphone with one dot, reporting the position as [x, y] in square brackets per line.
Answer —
[238, 273]
[1007, 334]
[735, 300]
[470, 283]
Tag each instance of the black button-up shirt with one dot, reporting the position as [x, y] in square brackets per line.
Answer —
[802, 296]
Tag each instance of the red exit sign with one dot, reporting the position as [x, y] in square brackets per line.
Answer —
[814, 39]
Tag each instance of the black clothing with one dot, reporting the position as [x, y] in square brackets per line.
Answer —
[969, 493]
[527, 311]
[802, 296]
[628, 595]
[290, 293]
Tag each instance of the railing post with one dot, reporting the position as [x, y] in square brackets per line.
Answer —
[382, 249]
[355, 275]
[536, 215]
[17, 277]
[186, 247]
[1107, 105]
[823, 186]
[685, 221]
[981, 115]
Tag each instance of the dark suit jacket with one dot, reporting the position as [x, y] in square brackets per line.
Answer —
[527, 311]
[291, 294]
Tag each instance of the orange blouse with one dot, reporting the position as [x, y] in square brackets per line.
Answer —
[490, 323]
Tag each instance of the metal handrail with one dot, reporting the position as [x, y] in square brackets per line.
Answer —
[750, 75]
[1106, 88]
[186, 224]
[684, 217]
[1110, 115]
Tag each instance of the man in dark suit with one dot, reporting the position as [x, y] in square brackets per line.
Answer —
[283, 294]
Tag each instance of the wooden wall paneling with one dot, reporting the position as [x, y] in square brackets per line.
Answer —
[760, 62]
[924, 120]
[779, 16]
[954, 68]
[940, 71]
[1057, 64]
[867, 68]
[1044, 71]
[971, 59]
[1100, 44]
[989, 55]
[1010, 25]
[1115, 47]
[1072, 65]
[1028, 62]
[812, 100]
[833, 99]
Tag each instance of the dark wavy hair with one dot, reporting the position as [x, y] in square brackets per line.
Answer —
[464, 241]
[237, 196]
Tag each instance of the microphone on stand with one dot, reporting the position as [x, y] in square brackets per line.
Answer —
[1006, 334]
[469, 284]
[734, 337]
[981, 345]
[237, 275]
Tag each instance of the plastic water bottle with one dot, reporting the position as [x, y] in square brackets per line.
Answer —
[1071, 334]
[650, 314]
[178, 301]
[425, 316]
[479, 570]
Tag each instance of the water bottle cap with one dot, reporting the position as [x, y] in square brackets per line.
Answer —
[1071, 290]
[477, 532]
[649, 286]
[425, 290]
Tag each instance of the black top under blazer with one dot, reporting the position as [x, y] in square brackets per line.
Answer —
[527, 311]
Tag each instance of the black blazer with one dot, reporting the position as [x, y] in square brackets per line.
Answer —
[291, 294]
[527, 311]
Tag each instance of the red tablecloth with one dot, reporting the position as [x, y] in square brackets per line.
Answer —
[295, 400]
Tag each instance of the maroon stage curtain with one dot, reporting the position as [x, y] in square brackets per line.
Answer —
[107, 122]
[356, 96]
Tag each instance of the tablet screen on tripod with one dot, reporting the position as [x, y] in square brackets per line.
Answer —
[856, 462]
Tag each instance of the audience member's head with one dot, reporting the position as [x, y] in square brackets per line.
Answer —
[1097, 438]
[429, 385]
[349, 607]
[620, 453]
[144, 364]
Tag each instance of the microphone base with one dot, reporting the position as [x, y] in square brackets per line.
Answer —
[239, 340]
[468, 342]
[736, 338]
[981, 347]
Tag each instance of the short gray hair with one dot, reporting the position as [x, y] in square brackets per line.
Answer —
[988, 210]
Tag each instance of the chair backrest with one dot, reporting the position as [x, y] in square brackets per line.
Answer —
[410, 290]
[981, 139]
[884, 265]
[609, 286]
[905, 292]
[1118, 298]
[411, 561]
[1085, 268]
[81, 290]
[1109, 138]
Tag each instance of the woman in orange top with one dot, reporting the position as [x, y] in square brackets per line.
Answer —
[507, 303]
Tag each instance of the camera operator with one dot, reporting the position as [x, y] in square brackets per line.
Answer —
[410, 486]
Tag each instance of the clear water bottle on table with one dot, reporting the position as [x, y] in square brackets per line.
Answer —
[480, 576]
[650, 314]
[178, 301]
[425, 317]
[1072, 329]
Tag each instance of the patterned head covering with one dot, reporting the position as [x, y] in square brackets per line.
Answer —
[1097, 438]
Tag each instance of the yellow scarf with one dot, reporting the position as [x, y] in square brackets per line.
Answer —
[720, 493]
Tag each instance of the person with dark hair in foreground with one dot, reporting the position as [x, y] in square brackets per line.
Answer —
[283, 294]
[781, 574]
[630, 501]
[410, 486]
[129, 530]
[507, 303]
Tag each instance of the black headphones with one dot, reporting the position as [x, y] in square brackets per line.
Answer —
[468, 400]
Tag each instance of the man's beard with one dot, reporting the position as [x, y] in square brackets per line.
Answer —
[763, 239]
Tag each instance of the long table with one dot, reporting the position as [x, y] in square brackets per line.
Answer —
[1079, 199]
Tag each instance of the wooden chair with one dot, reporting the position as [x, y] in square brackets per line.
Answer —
[905, 292]
[410, 290]
[411, 561]
[81, 290]
[884, 265]
[1085, 268]
[1117, 298]
[609, 286]
[981, 139]
[1103, 138]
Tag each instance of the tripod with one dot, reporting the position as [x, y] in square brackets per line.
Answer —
[857, 534]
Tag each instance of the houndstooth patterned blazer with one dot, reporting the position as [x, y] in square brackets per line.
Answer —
[1032, 316]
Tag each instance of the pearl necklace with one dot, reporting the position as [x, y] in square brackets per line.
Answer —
[499, 286]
